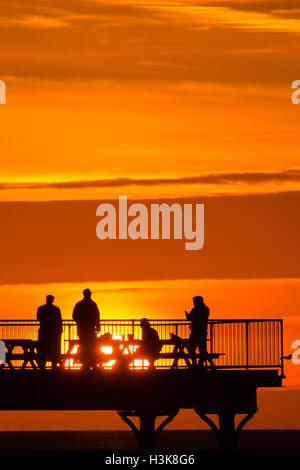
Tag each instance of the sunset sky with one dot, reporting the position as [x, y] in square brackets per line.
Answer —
[186, 101]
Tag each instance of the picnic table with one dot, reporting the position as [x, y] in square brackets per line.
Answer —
[128, 349]
[123, 352]
[28, 355]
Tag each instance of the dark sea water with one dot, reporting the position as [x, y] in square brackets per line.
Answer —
[124, 440]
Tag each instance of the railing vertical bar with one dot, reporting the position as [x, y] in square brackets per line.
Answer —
[247, 345]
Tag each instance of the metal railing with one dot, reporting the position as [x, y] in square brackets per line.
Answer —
[244, 344]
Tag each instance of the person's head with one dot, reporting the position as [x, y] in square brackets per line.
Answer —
[198, 300]
[49, 299]
[87, 294]
[145, 323]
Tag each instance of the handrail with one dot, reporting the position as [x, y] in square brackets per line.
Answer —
[175, 320]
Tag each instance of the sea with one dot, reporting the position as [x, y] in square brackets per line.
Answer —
[125, 440]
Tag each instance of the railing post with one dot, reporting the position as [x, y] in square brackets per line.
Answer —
[69, 334]
[281, 347]
[247, 345]
[211, 326]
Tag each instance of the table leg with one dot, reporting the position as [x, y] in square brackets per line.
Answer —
[175, 362]
[8, 356]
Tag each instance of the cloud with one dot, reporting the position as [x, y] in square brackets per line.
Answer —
[148, 40]
[250, 16]
[37, 21]
[79, 14]
[214, 16]
[222, 178]
[243, 15]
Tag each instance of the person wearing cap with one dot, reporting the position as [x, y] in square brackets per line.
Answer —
[151, 345]
[87, 317]
[198, 317]
[49, 335]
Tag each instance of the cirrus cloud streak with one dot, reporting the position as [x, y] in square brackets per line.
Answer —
[222, 178]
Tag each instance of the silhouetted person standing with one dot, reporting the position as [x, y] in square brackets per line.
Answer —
[49, 338]
[87, 317]
[150, 342]
[199, 322]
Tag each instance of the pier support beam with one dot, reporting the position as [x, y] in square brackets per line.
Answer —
[147, 435]
[227, 434]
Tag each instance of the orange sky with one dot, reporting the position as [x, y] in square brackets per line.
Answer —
[170, 99]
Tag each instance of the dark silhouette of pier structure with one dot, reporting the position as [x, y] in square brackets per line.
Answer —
[243, 356]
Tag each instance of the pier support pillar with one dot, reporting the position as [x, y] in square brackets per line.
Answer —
[147, 435]
[227, 434]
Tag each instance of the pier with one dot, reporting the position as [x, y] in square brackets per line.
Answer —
[243, 355]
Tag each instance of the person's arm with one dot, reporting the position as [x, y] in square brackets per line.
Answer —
[38, 314]
[188, 315]
[97, 318]
[206, 314]
[74, 314]
[159, 345]
[59, 320]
